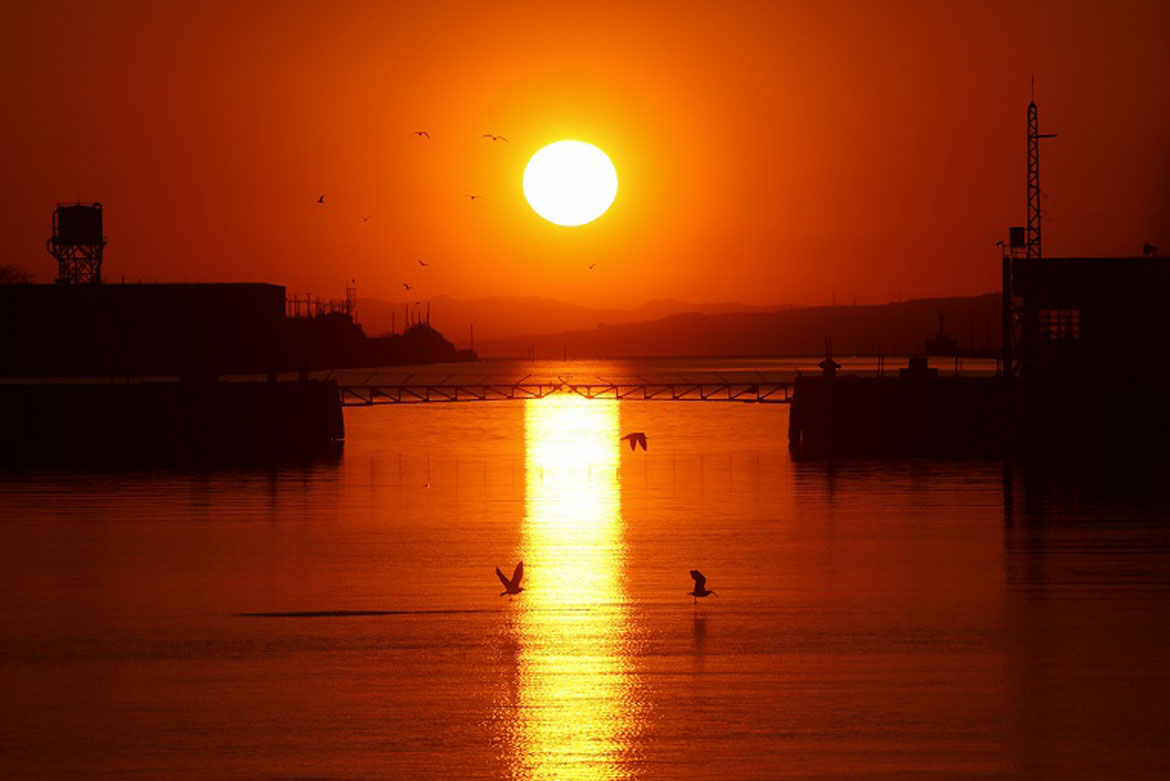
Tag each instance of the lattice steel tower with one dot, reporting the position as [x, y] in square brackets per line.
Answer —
[1025, 242]
[1032, 237]
[77, 243]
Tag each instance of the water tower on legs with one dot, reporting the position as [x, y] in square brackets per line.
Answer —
[77, 243]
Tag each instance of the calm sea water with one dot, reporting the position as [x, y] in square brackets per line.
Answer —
[888, 619]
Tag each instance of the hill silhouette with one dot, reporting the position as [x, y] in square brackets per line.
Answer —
[897, 328]
[505, 317]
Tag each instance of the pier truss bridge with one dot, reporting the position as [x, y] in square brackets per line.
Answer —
[753, 388]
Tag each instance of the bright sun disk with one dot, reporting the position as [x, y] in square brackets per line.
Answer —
[570, 183]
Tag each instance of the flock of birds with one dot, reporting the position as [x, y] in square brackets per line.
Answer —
[512, 585]
[471, 196]
[424, 134]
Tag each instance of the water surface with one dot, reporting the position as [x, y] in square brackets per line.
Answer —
[343, 620]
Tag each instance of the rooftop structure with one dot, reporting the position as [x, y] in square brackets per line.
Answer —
[1089, 315]
[77, 243]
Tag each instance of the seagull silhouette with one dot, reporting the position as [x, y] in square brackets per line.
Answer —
[321, 199]
[636, 438]
[494, 138]
[511, 587]
[700, 586]
[421, 133]
[591, 265]
[408, 287]
[423, 263]
[472, 197]
[365, 218]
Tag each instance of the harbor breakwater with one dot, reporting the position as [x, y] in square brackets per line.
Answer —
[921, 414]
[191, 423]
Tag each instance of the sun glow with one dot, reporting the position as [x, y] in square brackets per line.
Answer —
[570, 183]
[577, 707]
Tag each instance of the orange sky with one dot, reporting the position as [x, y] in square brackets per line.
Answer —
[767, 152]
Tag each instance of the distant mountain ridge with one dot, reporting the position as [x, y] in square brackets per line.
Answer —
[892, 329]
[507, 317]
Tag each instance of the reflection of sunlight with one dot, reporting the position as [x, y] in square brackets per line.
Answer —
[576, 700]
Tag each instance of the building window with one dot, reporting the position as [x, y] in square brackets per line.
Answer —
[1060, 325]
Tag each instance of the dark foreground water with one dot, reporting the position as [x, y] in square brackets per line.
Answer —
[343, 621]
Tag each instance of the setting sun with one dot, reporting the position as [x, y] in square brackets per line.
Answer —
[350, 423]
[570, 183]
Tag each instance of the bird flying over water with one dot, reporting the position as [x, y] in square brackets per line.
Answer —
[511, 587]
[408, 287]
[494, 137]
[700, 586]
[423, 263]
[421, 133]
[365, 217]
[636, 438]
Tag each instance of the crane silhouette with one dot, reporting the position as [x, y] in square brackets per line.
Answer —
[511, 587]
[701, 589]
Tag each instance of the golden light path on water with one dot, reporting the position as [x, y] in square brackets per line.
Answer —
[577, 700]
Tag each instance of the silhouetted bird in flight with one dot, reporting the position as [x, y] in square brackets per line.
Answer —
[408, 287]
[472, 197]
[511, 587]
[421, 133]
[636, 438]
[321, 199]
[494, 138]
[423, 263]
[591, 265]
[700, 586]
[365, 218]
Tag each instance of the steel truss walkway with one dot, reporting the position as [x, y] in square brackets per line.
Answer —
[762, 392]
[367, 395]
[751, 392]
